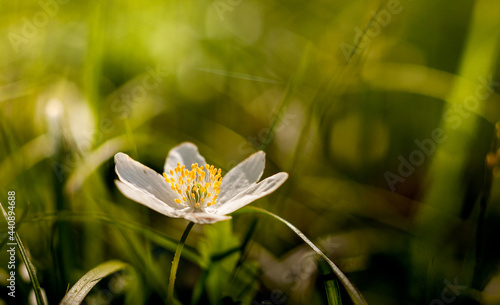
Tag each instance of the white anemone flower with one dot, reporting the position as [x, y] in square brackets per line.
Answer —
[192, 189]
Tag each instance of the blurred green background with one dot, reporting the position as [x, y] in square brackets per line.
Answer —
[382, 112]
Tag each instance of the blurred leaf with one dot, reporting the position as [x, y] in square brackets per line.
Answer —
[153, 235]
[218, 247]
[25, 158]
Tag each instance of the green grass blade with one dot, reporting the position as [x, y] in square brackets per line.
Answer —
[79, 291]
[199, 287]
[289, 91]
[241, 76]
[29, 266]
[244, 246]
[440, 212]
[356, 296]
[331, 285]
[31, 271]
[18, 225]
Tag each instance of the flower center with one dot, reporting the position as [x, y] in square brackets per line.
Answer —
[197, 187]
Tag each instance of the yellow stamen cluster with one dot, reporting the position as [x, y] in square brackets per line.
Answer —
[198, 187]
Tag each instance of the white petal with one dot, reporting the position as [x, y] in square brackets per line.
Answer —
[185, 154]
[254, 192]
[147, 199]
[143, 178]
[242, 176]
[204, 218]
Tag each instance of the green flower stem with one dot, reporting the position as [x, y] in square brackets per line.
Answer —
[175, 263]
